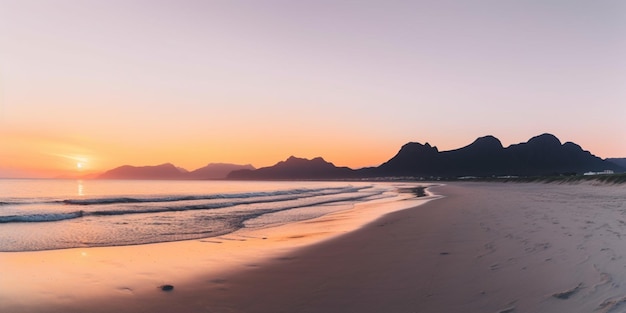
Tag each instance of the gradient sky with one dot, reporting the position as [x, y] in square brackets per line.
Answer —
[107, 83]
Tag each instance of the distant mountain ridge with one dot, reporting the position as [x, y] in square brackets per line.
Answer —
[485, 157]
[169, 171]
[541, 155]
[217, 170]
[163, 171]
[296, 168]
[619, 161]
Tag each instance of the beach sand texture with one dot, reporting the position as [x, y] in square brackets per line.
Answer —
[484, 247]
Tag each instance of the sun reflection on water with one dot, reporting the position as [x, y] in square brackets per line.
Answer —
[81, 188]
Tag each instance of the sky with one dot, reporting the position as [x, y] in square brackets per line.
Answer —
[87, 85]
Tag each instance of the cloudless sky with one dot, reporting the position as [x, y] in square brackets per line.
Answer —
[107, 83]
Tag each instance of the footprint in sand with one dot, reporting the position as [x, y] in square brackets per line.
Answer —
[566, 294]
[125, 290]
[490, 249]
[609, 305]
[510, 308]
[232, 239]
[605, 279]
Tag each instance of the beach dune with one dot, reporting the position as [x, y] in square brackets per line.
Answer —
[482, 247]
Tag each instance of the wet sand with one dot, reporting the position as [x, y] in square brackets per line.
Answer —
[485, 247]
[126, 279]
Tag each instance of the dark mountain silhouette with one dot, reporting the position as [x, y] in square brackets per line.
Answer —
[163, 171]
[485, 157]
[296, 168]
[217, 170]
[541, 155]
[619, 161]
[414, 159]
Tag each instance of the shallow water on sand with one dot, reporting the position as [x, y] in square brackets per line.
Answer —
[58, 214]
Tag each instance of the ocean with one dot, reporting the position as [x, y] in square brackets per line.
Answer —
[41, 214]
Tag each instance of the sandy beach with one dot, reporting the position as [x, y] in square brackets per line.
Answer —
[483, 247]
[126, 278]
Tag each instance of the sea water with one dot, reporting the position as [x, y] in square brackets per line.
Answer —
[40, 214]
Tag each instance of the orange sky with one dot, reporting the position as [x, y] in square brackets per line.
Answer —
[106, 83]
[36, 154]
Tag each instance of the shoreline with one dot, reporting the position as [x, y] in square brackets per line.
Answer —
[482, 247]
[68, 280]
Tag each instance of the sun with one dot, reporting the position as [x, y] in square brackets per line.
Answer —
[79, 165]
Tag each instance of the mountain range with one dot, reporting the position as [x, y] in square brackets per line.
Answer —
[541, 155]
[297, 168]
[485, 157]
[169, 171]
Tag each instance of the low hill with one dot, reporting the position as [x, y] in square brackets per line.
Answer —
[163, 171]
[619, 161]
[169, 171]
[217, 170]
[296, 168]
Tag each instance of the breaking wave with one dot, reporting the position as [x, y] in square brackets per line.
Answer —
[170, 203]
